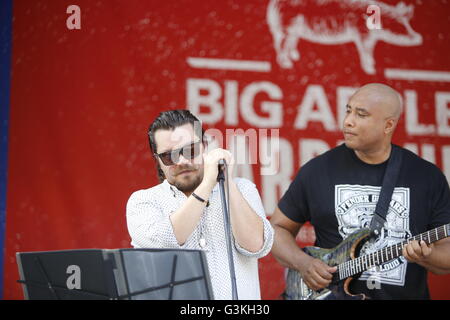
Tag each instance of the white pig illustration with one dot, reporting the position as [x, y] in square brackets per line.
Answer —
[337, 22]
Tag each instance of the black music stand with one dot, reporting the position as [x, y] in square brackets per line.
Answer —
[131, 274]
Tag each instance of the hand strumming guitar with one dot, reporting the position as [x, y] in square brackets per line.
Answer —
[316, 273]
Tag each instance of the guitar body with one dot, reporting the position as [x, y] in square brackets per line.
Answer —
[346, 256]
[296, 289]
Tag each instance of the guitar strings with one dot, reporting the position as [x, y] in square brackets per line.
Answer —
[357, 265]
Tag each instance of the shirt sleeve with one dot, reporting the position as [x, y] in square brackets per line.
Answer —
[293, 203]
[251, 195]
[148, 225]
[440, 202]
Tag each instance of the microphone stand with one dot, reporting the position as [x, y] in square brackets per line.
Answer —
[227, 225]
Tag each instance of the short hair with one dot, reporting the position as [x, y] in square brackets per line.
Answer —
[169, 120]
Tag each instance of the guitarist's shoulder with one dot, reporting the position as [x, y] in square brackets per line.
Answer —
[415, 164]
[325, 160]
[332, 154]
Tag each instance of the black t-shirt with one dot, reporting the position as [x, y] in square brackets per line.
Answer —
[337, 193]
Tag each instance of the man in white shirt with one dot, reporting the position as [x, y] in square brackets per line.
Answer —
[185, 210]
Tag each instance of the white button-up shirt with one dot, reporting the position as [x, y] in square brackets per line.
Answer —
[149, 226]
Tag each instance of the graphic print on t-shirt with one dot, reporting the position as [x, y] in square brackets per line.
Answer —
[355, 205]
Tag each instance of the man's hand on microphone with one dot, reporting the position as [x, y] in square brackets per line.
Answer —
[211, 164]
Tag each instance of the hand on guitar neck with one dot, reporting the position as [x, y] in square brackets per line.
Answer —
[315, 273]
[417, 252]
[425, 255]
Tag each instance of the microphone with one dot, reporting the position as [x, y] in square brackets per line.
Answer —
[220, 175]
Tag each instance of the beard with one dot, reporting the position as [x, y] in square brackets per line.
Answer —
[188, 184]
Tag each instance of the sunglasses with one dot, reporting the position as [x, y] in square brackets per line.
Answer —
[169, 158]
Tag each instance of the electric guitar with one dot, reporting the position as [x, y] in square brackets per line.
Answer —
[349, 264]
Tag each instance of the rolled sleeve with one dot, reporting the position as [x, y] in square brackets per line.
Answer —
[251, 195]
[148, 225]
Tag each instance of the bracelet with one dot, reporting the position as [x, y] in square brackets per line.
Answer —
[200, 199]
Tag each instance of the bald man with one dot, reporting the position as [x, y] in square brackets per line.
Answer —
[337, 191]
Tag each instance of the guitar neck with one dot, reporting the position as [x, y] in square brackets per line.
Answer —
[365, 262]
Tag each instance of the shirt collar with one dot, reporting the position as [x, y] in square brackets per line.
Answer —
[174, 190]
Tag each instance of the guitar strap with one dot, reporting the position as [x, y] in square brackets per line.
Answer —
[387, 188]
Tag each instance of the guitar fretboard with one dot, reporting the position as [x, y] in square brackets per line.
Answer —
[363, 263]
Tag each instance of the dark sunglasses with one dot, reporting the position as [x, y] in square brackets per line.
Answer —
[169, 158]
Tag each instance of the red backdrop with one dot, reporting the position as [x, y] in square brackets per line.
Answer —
[82, 99]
